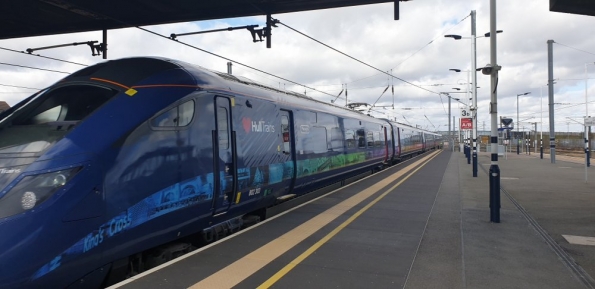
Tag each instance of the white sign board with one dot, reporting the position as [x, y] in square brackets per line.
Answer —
[465, 112]
[589, 121]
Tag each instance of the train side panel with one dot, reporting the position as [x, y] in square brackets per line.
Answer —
[330, 148]
[411, 141]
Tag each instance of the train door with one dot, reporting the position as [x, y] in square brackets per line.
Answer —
[386, 139]
[397, 141]
[286, 151]
[224, 146]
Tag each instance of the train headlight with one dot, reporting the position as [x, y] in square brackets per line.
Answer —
[33, 190]
[59, 180]
[29, 200]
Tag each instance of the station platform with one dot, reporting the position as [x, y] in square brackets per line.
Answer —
[424, 223]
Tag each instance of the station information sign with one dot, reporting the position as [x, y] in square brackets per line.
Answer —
[465, 112]
[466, 123]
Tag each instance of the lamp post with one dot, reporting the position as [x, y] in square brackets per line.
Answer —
[518, 120]
[541, 125]
[550, 88]
[568, 133]
[473, 107]
[449, 113]
[474, 90]
[467, 146]
[457, 99]
[492, 70]
[587, 150]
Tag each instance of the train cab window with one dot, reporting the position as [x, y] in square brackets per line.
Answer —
[285, 133]
[52, 114]
[48, 116]
[68, 103]
[223, 127]
[178, 116]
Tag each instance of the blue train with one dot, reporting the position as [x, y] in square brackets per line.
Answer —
[126, 164]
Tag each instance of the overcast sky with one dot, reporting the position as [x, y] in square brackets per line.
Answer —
[413, 48]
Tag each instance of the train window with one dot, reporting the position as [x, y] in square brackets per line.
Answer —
[378, 140]
[317, 140]
[166, 119]
[285, 133]
[222, 127]
[336, 139]
[361, 138]
[308, 117]
[350, 138]
[370, 138]
[178, 116]
[325, 119]
[186, 113]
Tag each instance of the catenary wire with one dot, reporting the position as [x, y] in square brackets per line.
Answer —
[347, 55]
[225, 58]
[575, 48]
[414, 53]
[16, 86]
[56, 59]
[573, 105]
[36, 68]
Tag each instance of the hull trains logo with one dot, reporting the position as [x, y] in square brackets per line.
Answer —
[257, 126]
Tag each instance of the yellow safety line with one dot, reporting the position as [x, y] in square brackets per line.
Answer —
[268, 283]
[243, 268]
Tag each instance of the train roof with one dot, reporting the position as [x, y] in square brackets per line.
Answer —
[130, 72]
[399, 124]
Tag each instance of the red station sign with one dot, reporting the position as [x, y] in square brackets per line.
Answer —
[466, 123]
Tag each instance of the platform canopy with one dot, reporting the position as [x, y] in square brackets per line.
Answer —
[582, 7]
[25, 18]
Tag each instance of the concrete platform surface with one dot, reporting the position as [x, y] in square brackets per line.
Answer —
[540, 202]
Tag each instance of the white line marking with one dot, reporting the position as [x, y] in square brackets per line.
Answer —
[580, 240]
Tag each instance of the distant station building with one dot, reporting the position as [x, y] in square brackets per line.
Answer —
[4, 106]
